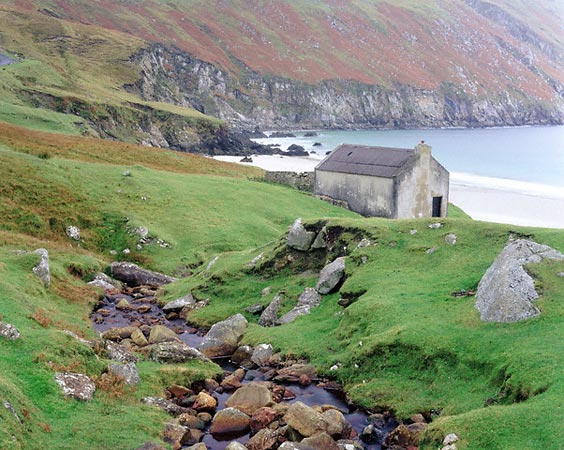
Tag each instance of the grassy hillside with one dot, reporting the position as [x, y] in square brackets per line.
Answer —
[422, 347]
[378, 42]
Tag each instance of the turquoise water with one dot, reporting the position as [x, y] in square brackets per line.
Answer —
[529, 154]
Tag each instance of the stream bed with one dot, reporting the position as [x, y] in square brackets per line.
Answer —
[137, 307]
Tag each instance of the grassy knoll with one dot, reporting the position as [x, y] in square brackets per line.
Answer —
[407, 343]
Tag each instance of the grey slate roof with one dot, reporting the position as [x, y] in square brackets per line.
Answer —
[383, 162]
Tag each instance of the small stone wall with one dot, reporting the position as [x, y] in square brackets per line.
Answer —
[333, 201]
[302, 181]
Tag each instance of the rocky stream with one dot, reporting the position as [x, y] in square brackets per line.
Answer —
[262, 401]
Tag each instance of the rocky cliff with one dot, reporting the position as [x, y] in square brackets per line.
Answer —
[254, 100]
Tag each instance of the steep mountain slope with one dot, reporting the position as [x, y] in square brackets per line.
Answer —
[345, 63]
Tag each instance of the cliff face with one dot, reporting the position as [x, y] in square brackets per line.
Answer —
[251, 99]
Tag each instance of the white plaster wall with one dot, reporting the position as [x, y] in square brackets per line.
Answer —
[369, 196]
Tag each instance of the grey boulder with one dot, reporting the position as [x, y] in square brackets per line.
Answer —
[9, 331]
[223, 337]
[42, 269]
[133, 275]
[299, 238]
[330, 276]
[506, 291]
[76, 385]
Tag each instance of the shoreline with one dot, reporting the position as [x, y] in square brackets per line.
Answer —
[487, 199]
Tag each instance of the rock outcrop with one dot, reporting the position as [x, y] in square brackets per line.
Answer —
[330, 276]
[506, 292]
[42, 269]
[9, 331]
[133, 275]
[76, 385]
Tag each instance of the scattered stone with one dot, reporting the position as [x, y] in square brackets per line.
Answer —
[450, 438]
[418, 418]
[265, 291]
[42, 269]
[230, 420]
[412, 232]
[176, 435]
[296, 150]
[317, 144]
[179, 391]
[561, 274]
[363, 243]
[371, 434]
[256, 308]
[255, 260]
[133, 275]
[506, 291]
[250, 397]
[450, 239]
[178, 304]
[211, 263]
[320, 240]
[261, 418]
[103, 281]
[235, 446]
[405, 435]
[309, 297]
[435, 226]
[204, 402]
[269, 316]
[293, 314]
[295, 446]
[246, 159]
[160, 334]
[76, 385]
[128, 372]
[223, 337]
[117, 352]
[330, 276]
[320, 441]
[299, 238]
[73, 232]
[175, 352]
[166, 405]
[11, 409]
[431, 250]
[123, 305]
[293, 373]
[262, 354]
[305, 420]
[265, 439]
[233, 381]
[243, 353]
[126, 173]
[9, 331]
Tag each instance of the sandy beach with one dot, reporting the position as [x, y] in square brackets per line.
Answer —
[483, 198]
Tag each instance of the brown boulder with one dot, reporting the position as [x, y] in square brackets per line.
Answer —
[320, 441]
[405, 435]
[160, 334]
[139, 338]
[250, 397]
[305, 420]
[293, 373]
[233, 381]
[230, 420]
[264, 440]
[205, 402]
[261, 418]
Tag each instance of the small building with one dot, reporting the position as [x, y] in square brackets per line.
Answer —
[397, 183]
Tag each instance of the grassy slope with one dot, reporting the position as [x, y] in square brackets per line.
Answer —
[370, 41]
[71, 63]
[422, 348]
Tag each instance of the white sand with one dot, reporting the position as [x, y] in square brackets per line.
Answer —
[483, 198]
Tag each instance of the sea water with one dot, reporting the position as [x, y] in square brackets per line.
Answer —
[530, 155]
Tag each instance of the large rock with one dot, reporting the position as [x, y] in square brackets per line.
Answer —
[405, 435]
[293, 373]
[269, 316]
[128, 372]
[133, 275]
[309, 297]
[160, 334]
[293, 314]
[223, 337]
[230, 420]
[321, 441]
[175, 352]
[42, 269]
[250, 397]
[305, 420]
[262, 417]
[76, 385]
[261, 354]
[9, 331]
[330, 276]
[103, 281]
[119, 353]
[299, 238]
[204, 402]
[178, 304]
[506, 291]
[264, 440]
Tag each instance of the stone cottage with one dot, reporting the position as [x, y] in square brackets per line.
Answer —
[396, 183]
